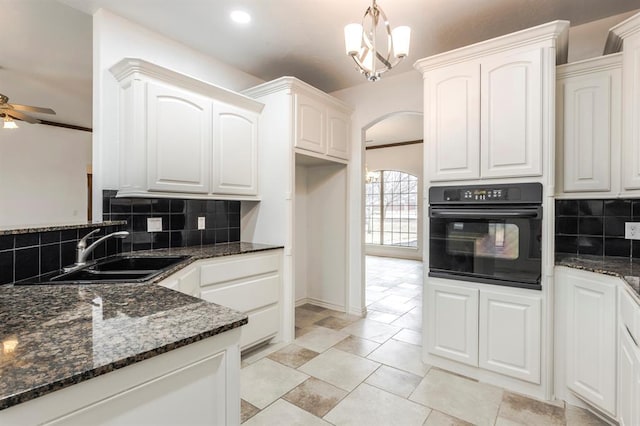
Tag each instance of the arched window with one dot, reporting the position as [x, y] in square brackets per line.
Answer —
[391, 208]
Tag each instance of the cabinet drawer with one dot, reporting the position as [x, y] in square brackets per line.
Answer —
[262, 325]
[240, 267]
[245, 296]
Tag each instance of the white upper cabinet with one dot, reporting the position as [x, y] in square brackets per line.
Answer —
[177, 154]
[511, 111]
[311, 120]
[235, 160]
[631, 102]
[322, 126]
[588, 125]
[487, 105]
[452, 102]
[184, 137]
[338, 133]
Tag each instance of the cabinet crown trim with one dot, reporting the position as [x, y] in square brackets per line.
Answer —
[294, 84]
[618, 33]
[557, 31]
[588, 66]
[130, 68]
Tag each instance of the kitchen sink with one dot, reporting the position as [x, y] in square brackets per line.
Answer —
[115, 269]
[136, 263]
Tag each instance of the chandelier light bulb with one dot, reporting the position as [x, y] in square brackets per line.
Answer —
[9, 123]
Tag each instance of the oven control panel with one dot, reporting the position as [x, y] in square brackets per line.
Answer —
[483, 194]
[522, 193]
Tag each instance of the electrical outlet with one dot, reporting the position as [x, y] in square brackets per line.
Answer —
[201, 222]
[632, 230]
[154, 224]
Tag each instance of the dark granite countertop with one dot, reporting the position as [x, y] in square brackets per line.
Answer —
[54, 336]
[623, 267]
[26, 229]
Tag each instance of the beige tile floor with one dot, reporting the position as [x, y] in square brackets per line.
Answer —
[346, 370]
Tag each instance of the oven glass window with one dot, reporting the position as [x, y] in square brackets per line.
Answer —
[504, 250]
[496, 240]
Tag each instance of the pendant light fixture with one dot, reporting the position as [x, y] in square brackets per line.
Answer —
[362, 45]
[9, 123]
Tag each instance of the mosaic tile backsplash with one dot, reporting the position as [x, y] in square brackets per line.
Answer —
[596, 227]
[179, 221]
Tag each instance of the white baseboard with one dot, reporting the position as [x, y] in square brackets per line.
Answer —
[320, 303]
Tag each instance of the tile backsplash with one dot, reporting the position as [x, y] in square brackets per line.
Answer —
[179, 221]
[596, 227]
[27, 255]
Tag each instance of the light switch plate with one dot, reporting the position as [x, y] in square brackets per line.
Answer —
[154, 224]
[632, 230]
[201, 222]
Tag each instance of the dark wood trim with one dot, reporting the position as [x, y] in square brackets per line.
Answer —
[66, 126]
[389, 145]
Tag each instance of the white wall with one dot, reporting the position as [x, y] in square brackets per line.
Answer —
[300, 234]
[43, 175]
[372, 102]
[115, 38]
[408, 159]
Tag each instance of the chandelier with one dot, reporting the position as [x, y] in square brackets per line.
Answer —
[361, 43]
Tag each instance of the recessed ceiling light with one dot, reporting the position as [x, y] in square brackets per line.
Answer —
[240, 16]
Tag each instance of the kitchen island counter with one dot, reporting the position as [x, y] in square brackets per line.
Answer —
[55, 336]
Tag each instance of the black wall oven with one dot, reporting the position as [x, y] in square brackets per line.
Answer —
[487, 233]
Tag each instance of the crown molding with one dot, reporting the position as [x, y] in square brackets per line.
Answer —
[618, 33]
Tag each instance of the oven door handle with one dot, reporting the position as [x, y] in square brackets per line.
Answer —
[531, 213]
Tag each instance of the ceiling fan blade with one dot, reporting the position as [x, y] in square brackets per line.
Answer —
[20, 116]
[33, 109]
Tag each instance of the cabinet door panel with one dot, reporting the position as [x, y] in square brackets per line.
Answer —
[167, 400]
[591, 344]
[631, 112]
[235, 158]
[511, 114]
[510, 335]
[452, 97]
[310, 124]
[338, 134]
[178, 138]
[627, 380]
[452, 329]
[587, 132]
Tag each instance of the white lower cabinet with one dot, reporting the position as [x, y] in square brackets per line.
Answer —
[628, 361]
[510, 334]
[249, 283]
[194, 385]
[453, 322]
[495, 330]
[590, 315]
[186, 281]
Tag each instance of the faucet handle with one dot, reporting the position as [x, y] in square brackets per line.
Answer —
[83, 241]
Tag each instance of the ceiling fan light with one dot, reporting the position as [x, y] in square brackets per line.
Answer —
[353, 38]
[9, 123]
[401, 38]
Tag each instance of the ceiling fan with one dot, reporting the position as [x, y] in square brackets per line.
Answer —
[17, 111]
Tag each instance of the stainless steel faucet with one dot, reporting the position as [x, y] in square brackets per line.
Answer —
[82, 251]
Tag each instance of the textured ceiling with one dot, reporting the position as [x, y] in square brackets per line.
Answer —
[304, 38]
[46, 57]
